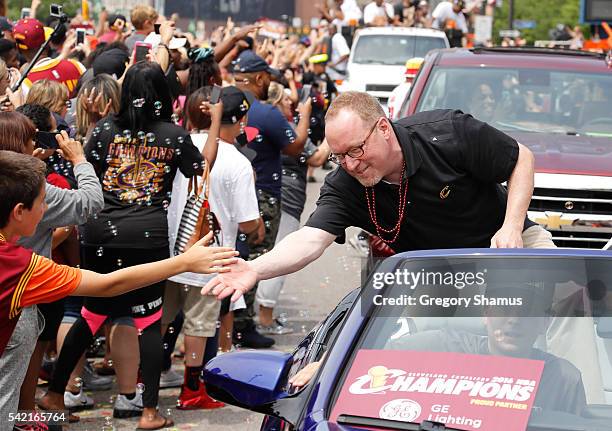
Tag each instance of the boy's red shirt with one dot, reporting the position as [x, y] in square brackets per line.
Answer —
[27, 279]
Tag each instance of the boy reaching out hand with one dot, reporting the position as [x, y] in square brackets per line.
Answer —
[27, 278]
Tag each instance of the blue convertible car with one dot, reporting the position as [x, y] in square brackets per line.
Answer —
[446, 340]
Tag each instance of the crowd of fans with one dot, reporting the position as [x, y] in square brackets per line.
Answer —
[133, 98]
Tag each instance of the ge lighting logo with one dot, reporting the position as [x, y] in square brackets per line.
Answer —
[402, 409]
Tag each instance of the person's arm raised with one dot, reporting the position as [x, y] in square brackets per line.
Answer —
[296, 147]
[293, 253]
[212, 141]
[199, 258]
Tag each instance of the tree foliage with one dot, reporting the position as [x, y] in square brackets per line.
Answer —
[71, 7]
[546, 13]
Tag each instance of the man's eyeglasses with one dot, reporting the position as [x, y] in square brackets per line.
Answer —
[353, 153]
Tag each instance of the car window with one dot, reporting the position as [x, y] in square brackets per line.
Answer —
[543, 321]
[319, 340]
[525, 100]
[393, 49]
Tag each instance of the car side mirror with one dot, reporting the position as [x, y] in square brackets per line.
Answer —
[248, 379]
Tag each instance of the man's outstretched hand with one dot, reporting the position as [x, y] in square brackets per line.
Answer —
[239, 280]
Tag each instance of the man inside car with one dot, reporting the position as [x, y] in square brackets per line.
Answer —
[510, 331]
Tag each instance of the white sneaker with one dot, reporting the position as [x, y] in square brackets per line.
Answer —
[170, 379]
[125, 408]
[276, 328]
[77, 402]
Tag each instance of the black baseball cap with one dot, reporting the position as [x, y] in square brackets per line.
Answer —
[248, 62]
[236, 104]
[5, 24]
[112, 62]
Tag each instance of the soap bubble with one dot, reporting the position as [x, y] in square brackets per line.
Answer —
[275, 176]
[157, 105]
[138, 103]
[140, 388]
[150, 137]
[100, 251]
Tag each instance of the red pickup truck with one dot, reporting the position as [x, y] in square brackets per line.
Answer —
[556, 102]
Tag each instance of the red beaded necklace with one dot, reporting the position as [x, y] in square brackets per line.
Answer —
[402, 192]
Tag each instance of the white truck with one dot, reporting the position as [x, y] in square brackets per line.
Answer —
[379, 54]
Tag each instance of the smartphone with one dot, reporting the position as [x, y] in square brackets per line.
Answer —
[46, 140]
[157, 26]
[25, 12]
[141, 49]
[55, 10]
[80, 36]
[305, 93]
[215, 96]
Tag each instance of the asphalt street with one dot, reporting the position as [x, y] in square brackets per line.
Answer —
[308, 296]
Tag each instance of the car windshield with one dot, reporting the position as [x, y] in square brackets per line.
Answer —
[478, 341]
[393, 49]
[525, 100]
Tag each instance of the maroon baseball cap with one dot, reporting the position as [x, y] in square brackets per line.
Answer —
[29, 34]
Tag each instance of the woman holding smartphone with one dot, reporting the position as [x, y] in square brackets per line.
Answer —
[136, 154]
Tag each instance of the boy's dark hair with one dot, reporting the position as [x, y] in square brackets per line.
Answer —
[40, 115]
[196, 117]
[21, 179]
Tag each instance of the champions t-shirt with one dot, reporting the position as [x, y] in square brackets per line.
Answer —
[136, 177]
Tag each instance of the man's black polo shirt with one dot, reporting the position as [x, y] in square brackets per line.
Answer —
[454, 166]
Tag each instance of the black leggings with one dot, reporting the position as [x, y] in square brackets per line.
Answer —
[138, 304]
[79, 338]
